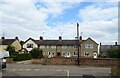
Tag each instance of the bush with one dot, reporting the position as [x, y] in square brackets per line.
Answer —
[21, 57]
[114, 53]
[36, 53]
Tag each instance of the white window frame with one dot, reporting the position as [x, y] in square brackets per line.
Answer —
[68, 54]
[53, 46]
[64, 46]
[89, 46]
[47, 46]
[42, 46]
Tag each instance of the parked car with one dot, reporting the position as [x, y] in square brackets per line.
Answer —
[3, 63]
[3, 55]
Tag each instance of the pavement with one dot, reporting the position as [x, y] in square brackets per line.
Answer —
[24, 62]
[55, 70]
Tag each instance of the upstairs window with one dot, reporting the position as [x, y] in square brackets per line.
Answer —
[42, 46]
[89, 46]
[29, 45]
[47, 46]
[64, 46]
[53, 46]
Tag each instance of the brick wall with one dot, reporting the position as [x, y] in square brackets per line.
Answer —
[83, 61]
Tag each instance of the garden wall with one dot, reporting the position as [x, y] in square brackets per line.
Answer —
[83, 61]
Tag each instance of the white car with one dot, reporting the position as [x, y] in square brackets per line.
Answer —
[3, 63]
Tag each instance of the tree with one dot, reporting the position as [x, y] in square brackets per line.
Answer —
[21, 42]
[36, 53]
[11, 50]
[114, 53]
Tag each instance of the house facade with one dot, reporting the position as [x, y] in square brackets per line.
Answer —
[64, 48]
[4, 43]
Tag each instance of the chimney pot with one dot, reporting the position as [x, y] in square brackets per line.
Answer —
[2, 37]
[41, 38]
[16, 38]
[115, 43]
[60, 38]
[80, 37]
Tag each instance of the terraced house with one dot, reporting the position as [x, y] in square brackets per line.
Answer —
[64, 48]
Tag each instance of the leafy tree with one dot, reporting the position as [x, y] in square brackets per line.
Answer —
[36, 53]
[11, 50]
[21, 42]
[114, 53]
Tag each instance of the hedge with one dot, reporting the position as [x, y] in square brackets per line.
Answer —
[21, 57]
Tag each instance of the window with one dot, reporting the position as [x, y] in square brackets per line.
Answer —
[89, 46]
[64, 46]
[75, 53]
[29, 45]
[87, 54]
[68, 54]
[42, 46]
[75, 46]
[47, 46]
[53, 46]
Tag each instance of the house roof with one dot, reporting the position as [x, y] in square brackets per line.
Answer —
[105, 48]
[55, 42]
[93, 40]
[6, 41]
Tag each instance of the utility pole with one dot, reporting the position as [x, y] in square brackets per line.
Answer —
[78, 63]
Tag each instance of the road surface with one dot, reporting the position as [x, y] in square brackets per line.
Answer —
[53, 70]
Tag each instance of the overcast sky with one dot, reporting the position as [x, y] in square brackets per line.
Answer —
[53, 18]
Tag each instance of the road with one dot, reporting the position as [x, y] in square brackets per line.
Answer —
[53, 70]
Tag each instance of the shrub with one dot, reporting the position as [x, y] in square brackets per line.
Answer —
[36, 53]
[114, 53]
[11, 50]
[21, 57]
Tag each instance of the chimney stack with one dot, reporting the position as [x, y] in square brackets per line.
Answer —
[41, 38]
[100, 44]
[16, 38]
[2, 37]
[80, 37]
[60, 38]
[116, 43]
